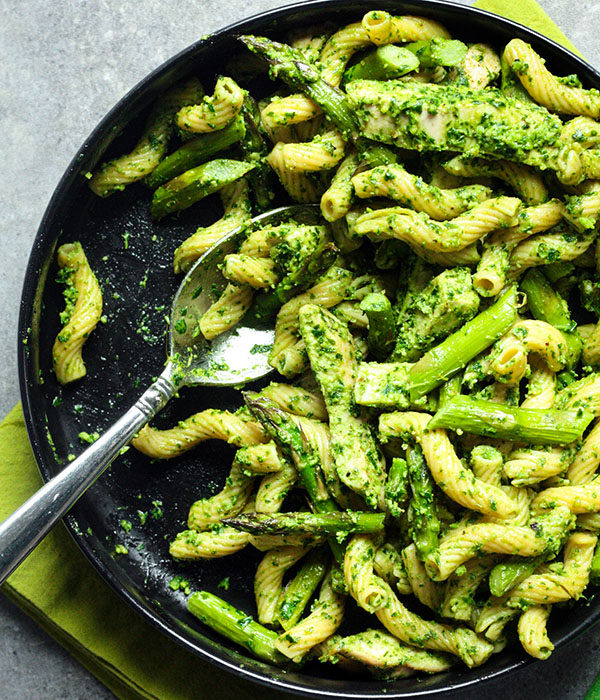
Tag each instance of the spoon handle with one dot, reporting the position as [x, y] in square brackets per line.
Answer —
[29, 524]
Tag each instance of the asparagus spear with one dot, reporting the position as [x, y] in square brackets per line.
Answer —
[331, 523]
[446, 359]
[532, 425]
[195, 184]
[289, 436]
[300, 589]
[449, 389]
[196, 152]
[438, 51]
[423, 521]
[546, 305]
[381, 336]
[235, 625]
[286, 433]
[396, 487]
[511, 572]
[385, 62]
[289, 64]
[255, 149]
[595, 570]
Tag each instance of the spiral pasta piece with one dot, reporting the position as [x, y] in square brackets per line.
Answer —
[549, 585]
[268, 579]
[288, 110]
[541, 389]
[383, 28]
[528, 466]
[412, 629]
[214, 112]
[384, 655]
[361, 581]
[545, 248]
[585, 463]
[228, 502]
[509, 362]
[258, 273]
[236, 210]
[420, 231]
[457, 482]
[583, 498]
[322, 153]
[302, 187]
[397, 183]
[525, 180]
[215, 542]
[116, 174]
[584, 394]
[486, 463]
[229, 309]
[583, 131]
[296, 400]
[323, 620]
[544, 87]
[337, 198]
[460, 545]
[491, 275]
[82, 313]
[206, 425]
[533, 634]
[274, 487]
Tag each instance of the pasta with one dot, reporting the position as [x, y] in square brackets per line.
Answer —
[432, 427]
[82, 313]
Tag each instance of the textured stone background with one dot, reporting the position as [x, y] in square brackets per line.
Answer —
[64, 63]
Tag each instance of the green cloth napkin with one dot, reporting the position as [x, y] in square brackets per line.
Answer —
[59, 589]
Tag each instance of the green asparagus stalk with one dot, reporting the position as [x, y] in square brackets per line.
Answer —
[384, 63]
[289, 436]
[385, 385]
[438, 51]
[546, 305]
[289, 64]
[531, 425]
[196, 152]
[511, 572]
[332, 523]
[595, 569]
[449, 389]
[396, 487]
[195, 184]
[235, 625]
[424, 525]
[558, 270]
[255, 149]
[381, 336]
[294, 599]
[446, 359]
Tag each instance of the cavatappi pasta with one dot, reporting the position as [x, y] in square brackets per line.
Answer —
[431, 439]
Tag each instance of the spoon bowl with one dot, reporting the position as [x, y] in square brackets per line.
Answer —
[240, 354]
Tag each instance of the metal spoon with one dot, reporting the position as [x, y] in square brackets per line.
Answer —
[235, 357]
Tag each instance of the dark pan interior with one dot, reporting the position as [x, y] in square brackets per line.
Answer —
[132, 257]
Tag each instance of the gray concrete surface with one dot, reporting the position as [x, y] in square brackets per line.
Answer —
[64, 63]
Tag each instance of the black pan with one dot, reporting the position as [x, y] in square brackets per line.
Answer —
[132, 257]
